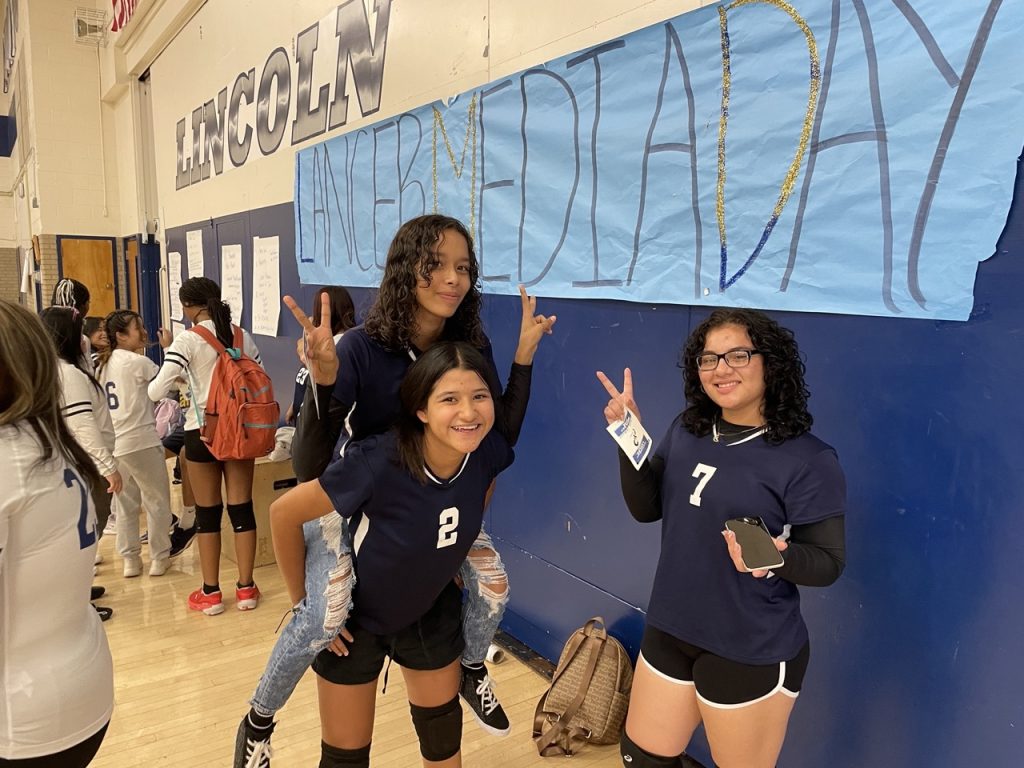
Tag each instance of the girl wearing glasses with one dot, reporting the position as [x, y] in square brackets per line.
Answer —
[725, 645]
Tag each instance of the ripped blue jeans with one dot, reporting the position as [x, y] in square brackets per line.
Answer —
[322, 613]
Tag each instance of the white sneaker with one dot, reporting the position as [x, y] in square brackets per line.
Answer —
[159, 567]
[99, 557]
[111, 527]
[132, 566]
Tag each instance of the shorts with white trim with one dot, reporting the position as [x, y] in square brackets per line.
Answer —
[720, 682]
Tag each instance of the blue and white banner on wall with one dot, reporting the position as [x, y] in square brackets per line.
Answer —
[849, 156]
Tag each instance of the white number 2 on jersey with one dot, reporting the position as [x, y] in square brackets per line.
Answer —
[448, 527]
[705, 473]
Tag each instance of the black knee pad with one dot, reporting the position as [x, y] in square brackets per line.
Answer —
[335, 757]
[242, 517]
[635, 757]
[208, 519]
[439, 729]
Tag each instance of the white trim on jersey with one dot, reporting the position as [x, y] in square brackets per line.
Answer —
[452, 479]
[361, 531]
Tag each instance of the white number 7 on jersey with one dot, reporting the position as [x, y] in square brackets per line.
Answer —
[705, 473]
[448, 527]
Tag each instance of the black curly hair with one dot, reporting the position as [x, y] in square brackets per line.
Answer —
[392, 318]
[785, 393]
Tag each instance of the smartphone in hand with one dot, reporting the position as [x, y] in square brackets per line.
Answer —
[759, 552]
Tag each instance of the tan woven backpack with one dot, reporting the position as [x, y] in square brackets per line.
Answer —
[588, 696]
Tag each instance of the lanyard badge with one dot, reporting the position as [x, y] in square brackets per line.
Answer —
[632, 438]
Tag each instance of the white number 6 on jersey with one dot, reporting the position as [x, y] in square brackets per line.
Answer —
[448, 527]
[705, 473]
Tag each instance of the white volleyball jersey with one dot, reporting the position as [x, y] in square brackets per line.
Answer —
[85, 410]
[56, 675]
[125, 379]
[190, 357]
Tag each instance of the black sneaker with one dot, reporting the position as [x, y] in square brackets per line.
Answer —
[104, 612]
[181, 539]
[95, 593]
[478, 692]
[252, 746]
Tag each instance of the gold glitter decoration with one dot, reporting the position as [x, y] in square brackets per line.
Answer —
[471, 128]
[789, 182]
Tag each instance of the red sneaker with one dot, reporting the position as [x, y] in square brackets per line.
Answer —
[211, 605]
[247, 598]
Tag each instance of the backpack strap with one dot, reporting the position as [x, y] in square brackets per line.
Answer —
[209, 338]
[561, 737]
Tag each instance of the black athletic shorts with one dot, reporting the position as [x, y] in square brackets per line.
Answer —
[196, 450]
[433, 642]
[721, 682]
[175, 440]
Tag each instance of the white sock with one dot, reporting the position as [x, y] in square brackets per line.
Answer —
[188, 517]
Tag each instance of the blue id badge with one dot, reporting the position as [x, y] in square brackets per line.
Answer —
[632, 438]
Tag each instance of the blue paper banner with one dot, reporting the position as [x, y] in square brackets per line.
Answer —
[854, 157]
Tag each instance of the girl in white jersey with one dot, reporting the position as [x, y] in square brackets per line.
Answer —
[191, 358]
[125, 375]
[83, 404]
[58, 688]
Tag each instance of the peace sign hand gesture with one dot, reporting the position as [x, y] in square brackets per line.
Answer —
[532, 329]
[620, 401]
[321, 356]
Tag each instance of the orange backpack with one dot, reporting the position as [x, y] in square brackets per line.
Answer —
[241, 414]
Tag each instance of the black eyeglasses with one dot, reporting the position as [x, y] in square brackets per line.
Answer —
[734, 358]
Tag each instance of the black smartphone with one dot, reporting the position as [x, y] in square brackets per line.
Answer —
[759, 552]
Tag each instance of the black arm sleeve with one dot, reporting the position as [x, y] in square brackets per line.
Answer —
[816, 554]
[316, 433]
[511, 409]
[641, 488]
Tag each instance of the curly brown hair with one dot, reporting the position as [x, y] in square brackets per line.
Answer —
[392, 318]
[785, 393]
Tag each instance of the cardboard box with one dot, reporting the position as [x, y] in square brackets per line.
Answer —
[270, 480]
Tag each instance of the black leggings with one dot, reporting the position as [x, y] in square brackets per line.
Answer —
[77, 756]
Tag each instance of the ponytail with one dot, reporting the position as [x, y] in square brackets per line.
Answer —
[220, 313]
[118, 321]
[203, 292]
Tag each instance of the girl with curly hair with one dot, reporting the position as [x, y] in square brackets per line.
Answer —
[725, 644]
[428, 294]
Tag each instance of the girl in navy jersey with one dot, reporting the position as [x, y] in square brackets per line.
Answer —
[428, 293]
[343, 317]
[189, 357]
[724, 645]
[125, 374]
[58, 691]
[416, 496]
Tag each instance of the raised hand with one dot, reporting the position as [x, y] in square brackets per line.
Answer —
[532, 329]
[321, 356]
[620, 401]
[164, 337]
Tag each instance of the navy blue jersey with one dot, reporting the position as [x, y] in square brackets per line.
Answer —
[409, 538]
[698, 594]
[369, 377]
[300, 390]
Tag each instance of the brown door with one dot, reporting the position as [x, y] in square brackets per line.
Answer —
[91, 262]
[131, 251]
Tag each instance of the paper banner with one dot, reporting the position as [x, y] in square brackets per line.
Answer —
[266, 285]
